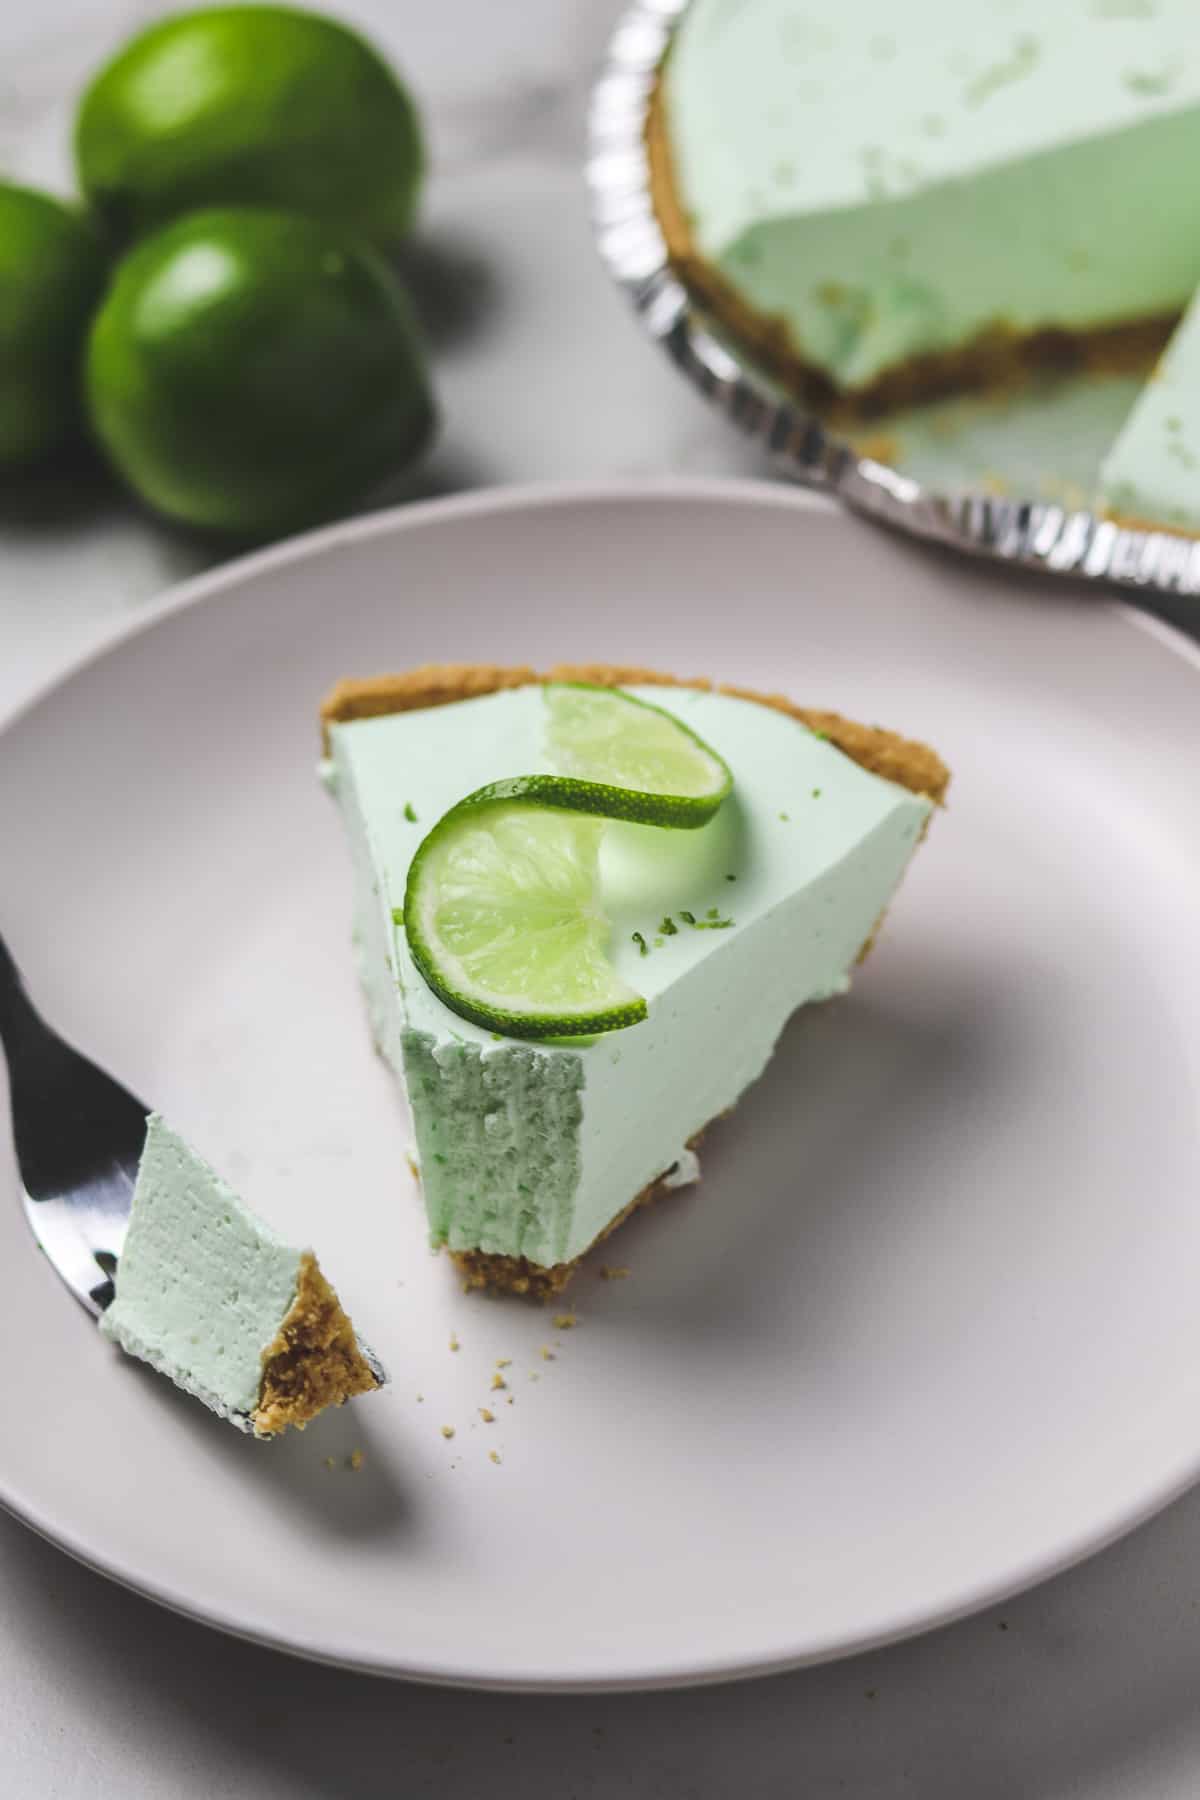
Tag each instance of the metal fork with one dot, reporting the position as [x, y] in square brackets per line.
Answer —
[79, 1137]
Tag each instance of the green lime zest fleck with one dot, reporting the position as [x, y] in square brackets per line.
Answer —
[816, 793]
[712, 921]
[409, 812]
[669, 928]
[643, 947]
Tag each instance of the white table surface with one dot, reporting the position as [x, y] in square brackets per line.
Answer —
[1085, 1688]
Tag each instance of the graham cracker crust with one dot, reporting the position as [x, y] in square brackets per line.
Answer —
[314, 1360]
[907, 762]
[997, 360]
[903, 760]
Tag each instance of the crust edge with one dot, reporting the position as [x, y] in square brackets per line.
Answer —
[906, 761]
[314, 1361]
[999, 359]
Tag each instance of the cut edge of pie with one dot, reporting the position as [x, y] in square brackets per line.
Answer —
[997, 360]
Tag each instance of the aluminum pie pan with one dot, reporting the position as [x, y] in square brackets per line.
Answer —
[1033, 534]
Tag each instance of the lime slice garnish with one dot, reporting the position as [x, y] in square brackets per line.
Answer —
[634, 760]
[503, 916]
[502, 907]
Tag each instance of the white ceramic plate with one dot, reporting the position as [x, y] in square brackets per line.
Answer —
[927, 1332]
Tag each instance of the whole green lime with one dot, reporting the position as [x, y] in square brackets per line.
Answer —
[250, 106]
[51, 276]
[251, 371]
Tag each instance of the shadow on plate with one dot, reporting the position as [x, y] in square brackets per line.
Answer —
[310, 1472]
[853, 1090]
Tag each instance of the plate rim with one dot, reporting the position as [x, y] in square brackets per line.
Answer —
[193, 590]
[702, 1670]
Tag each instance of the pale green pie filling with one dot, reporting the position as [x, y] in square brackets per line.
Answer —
[202, 1284]
[1152, 472]
[895, 180]
[532, 1149]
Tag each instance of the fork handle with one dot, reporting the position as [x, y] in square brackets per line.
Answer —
[24, 1034]
[16, 1008]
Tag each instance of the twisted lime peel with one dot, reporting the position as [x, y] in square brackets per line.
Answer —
[502, 906]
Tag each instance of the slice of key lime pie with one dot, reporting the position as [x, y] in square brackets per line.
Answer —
[213, 1299]
[585, 906]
